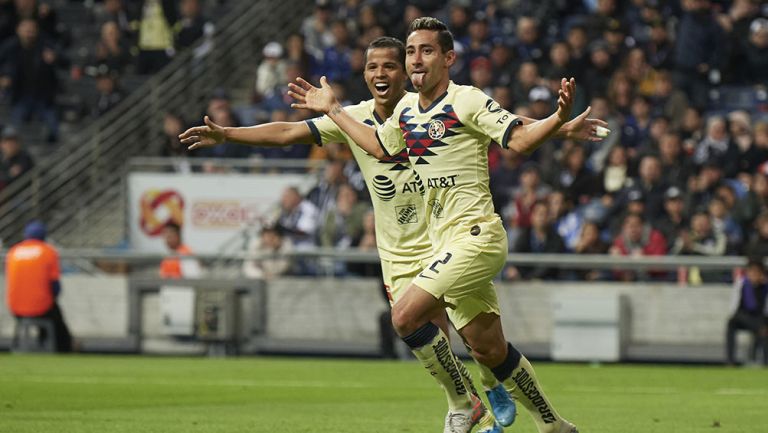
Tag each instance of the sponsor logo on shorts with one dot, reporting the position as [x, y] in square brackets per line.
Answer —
[407, 214]
[527, 386]
[384, 187]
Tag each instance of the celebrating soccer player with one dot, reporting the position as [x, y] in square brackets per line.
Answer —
[446, 131]
[396, 192]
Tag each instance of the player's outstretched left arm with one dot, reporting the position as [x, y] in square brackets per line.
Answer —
[323, 100]
[579, 128]
[528, 138]
[268, 134]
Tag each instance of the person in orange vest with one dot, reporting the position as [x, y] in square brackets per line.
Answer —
[177, 267]
[32, 282]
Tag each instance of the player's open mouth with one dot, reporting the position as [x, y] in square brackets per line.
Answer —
[381, 88]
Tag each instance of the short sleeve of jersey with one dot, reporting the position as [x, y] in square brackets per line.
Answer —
[325, 131]
[389, 134]
[490, 119]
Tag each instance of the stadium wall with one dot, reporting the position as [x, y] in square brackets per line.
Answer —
[341, 316]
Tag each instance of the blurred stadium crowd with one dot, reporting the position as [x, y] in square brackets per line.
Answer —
[682, 84]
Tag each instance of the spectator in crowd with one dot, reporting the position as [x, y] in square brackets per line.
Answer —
[297, 54]
[323, 195]
[637, 125]
[270, 242]
[42, 13]
[528, 44]
[527, 78]
[669, 101]
[480, 74]
[637, 239]
[15, 160]
[598, 75]
[173, 125]
[615, 175]
[754, 201]
[28, 66]
[659, 49]
[32, 284]
[112, 50]
[701, 239]
[758, 244]
[749, 311]
[298, 218]
[698, 50]
[717, 146]
[559, 64]
[177, 266]
[749, 155]
[192, 25]
[116, 11]
[317, 29]
[650, 183]
[673, 221]
[336, 58]
[523, 198]
[540, 237]
[343, 224]
[155, 35]
[590, 242]
[356, 89]
[676, 168]
[575, 178]
[271, 70]
[503, 65]
[723, 222]
[755, 69]
[703, 187]
[108, 93]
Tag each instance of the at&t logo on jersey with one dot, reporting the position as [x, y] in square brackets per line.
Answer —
[436, 129]
[384, 187]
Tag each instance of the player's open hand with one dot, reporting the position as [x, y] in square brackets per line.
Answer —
[583, 128]
[565, 99]
[313, 98]
[203, 136]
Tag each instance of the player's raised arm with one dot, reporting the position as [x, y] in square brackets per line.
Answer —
[322, 99]
[268, 134]
[527, 138]
[579, 128]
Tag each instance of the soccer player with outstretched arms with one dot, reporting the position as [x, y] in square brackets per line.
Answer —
[446, 131]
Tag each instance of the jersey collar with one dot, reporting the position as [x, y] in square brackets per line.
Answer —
[436, 101]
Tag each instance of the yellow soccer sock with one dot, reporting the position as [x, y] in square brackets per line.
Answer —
[518, 377]
[431, 347]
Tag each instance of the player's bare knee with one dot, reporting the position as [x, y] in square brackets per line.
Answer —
[403, 322]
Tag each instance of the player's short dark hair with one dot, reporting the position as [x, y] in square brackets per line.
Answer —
[444, 36]
[388, 42]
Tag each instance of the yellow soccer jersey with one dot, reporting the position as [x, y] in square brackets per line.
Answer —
[396, 190]
[447, 144]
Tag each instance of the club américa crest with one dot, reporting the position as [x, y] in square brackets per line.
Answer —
[436, 129]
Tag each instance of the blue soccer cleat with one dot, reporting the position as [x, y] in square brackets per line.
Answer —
[504, 408]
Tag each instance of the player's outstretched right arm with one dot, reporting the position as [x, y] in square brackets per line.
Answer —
[269, 134]
[529, 137]
[322, 99]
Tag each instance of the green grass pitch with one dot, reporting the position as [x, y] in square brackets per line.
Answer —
[83, 394]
